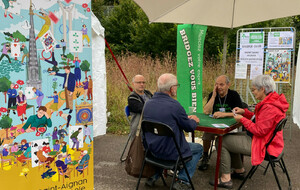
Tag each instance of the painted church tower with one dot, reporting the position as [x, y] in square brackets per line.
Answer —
[33, 67]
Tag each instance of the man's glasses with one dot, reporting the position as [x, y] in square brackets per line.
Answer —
[141, 82]
[178, 85]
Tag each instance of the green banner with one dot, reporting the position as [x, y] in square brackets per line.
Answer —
[190, 43]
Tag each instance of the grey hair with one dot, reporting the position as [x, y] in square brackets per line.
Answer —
[133, 78]
[264, 81]
[226, 78]
[165, 82]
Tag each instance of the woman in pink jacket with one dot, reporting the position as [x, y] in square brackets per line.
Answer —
[268, 112]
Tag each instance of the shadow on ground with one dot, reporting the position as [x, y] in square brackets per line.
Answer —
[111, 175]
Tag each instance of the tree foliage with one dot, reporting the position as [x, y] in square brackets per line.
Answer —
[4, 84]
[5, 123]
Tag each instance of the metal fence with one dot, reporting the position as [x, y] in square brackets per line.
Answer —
[242, 86]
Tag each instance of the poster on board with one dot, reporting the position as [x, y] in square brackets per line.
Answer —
[278, 65]
[46, 138]
[252, 51]
[282, 39]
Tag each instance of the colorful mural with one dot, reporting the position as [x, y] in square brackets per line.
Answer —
[46, 125]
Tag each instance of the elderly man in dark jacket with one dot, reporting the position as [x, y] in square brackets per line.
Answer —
[136, 101]
[163, 108]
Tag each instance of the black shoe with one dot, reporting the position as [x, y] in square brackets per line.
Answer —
[66, 109]
[66, 176]
[70, 111]
[179, 185]
[240, 176]
[204, 163]
[150, 182]
[14, 112]
[227, 185]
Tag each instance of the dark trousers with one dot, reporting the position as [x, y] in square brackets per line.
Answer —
[11, 102]
[5, 56]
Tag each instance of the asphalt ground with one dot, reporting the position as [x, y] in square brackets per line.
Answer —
[109, 172]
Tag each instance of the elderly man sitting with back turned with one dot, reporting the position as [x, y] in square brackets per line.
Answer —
[163, 108]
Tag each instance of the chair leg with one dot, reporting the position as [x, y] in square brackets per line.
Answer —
[211, 147]
[287, 175]
[121, 158]
[190, 180]
[275, 175]
[283, 169]
[141, 173]
[162, 178]
[266, 168]
[253, 169]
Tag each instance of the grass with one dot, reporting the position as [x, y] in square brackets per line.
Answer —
[151, 69]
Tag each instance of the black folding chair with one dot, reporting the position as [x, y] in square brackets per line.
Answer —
[127, 114]
[161, 129]
[272, 160]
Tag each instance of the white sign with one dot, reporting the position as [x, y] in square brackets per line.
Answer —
[252, 51]
[240, 71]
[280, 39]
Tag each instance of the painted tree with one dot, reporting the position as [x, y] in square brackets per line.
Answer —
[15, 37]
[4, 86]
[66, 60]
[85, 66]
[5, 123]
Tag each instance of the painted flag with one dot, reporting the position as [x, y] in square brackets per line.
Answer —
[53, 17]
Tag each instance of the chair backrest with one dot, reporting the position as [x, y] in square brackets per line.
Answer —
[279, 127]
[127, 113]
[159, 129]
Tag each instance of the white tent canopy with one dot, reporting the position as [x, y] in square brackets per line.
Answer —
[99, 78]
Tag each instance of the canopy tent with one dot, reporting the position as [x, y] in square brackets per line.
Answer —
[99, 77]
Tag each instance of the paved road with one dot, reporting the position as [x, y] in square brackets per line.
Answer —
[110, 173]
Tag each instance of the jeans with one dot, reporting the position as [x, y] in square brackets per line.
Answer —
[76, 142]
[191, 165]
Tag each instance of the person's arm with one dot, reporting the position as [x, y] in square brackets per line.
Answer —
[28, 122]
[184, 122]
[264, 122]
[208, 108]
[135, 105]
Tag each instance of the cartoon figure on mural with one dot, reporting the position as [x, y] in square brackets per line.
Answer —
[6, 6]
[46, 26]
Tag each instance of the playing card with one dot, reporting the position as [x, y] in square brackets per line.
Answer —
[73, 129]
[34, 149]
[48, 41]
[75, 41]
[14, 7]
[15, 49]
[29, 93]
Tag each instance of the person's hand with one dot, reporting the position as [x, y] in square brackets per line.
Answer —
[54, 73]
[195, 118]
[46, 114]
[29, 130]
[70, 93]
[218, 115]
[238, 110]
[214, 94]
[238, 117]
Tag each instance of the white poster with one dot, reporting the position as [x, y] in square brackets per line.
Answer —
[296, 109]
[280, 39]
[252, 51]
[240, 71]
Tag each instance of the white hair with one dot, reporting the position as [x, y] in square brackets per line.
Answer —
[85, 152]
[264, 81]
[165, 82]
[20, 91]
